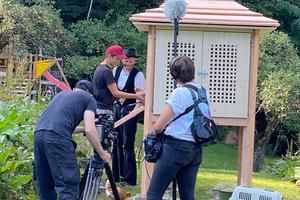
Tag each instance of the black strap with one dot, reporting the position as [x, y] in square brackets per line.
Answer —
[196, 102]
[201, 92]
[188, 109]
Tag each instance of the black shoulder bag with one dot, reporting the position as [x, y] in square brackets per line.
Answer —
[204, 129]
[153, 143]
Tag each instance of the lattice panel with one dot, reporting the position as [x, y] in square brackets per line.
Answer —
[187, 49]
[226, 58]
[222, 73]
[189, 43]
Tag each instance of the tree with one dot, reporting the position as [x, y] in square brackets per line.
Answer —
[287, 12]
[77, 10]
[95, 37]
[27, 26]
[267, 7]
[278, 88]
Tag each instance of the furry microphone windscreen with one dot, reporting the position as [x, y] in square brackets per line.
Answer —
[175, 9]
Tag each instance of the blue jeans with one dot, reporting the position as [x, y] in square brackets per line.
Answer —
[180, 159]
[55, 165]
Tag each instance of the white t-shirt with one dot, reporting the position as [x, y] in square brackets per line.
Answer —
[179, 100]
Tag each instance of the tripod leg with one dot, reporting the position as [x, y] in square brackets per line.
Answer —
[83, 181]
[87, 188]
[97, 187]
[112, 182]
[174, 189]
[93, 188]
[88, 182]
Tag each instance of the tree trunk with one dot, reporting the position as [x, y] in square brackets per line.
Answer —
[278, 141]
[258, 158]
[260, 149]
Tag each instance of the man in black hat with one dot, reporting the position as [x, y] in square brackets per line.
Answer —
[127, 78]
[55, 161]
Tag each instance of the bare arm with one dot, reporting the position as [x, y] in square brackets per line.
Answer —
[92, 135]
[119, 94]
[79, 129]
[163, 119]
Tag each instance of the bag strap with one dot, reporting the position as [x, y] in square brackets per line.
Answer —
[188, 109]
[201, 92]
[196, 102]
[201, 98]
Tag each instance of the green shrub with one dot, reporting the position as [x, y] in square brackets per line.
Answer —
[17, 123]
[285, 167]
[18, 117]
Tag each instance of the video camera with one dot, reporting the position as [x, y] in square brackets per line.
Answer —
[105, 128]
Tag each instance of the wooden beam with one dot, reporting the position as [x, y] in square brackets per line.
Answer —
[147, 168]
[129, 116]
[224, 121]
[240, 150]
[30, 63]
[247, 146]
[62, 73]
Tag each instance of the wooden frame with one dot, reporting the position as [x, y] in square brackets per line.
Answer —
[246, 130]
[147, 168]
[222, 16]
[246, 133]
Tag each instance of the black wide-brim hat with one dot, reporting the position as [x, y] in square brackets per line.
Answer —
[130, 52]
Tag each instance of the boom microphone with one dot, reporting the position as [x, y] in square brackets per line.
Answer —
[175, 9]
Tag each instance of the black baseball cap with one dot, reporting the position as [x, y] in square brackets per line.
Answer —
[88, 88]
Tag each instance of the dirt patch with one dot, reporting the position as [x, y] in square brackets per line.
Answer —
[232, 138]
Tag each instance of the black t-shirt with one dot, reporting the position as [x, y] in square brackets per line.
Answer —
[65, 112]
[103, 77]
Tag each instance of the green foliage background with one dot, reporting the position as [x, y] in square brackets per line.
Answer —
[287, 12]
[27, 26]
[95, 37]
[18, 117]
[60, 28]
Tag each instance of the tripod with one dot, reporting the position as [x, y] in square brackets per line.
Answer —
[92, 178]
[90, 182]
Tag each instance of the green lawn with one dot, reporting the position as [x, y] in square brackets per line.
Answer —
[220, 165]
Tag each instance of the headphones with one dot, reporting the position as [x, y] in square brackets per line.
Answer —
[174, 74]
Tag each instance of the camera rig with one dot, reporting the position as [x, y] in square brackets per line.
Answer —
[91, 179]
[105, 129]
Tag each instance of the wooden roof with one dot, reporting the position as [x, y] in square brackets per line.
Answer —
[208, 13]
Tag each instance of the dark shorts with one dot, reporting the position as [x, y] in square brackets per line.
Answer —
[55, 165]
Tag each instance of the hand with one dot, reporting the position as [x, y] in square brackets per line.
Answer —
[141, 97]
[106, 157]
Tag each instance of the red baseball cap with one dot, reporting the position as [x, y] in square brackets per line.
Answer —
[116, 50]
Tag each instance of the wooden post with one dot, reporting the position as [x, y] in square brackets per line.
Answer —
[147, 168]
[34, 79]
[62, 73]
[246, 140]
[30, 63]
[240, 153]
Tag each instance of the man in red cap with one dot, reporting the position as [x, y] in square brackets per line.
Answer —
[104, 83]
